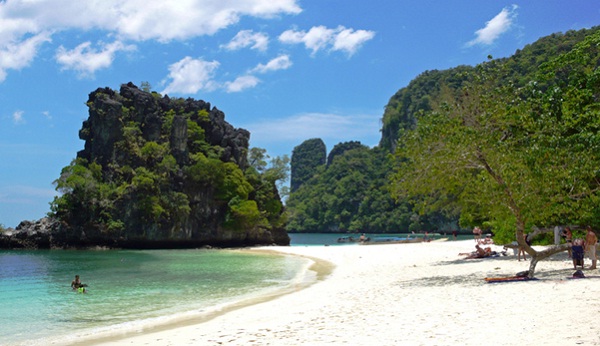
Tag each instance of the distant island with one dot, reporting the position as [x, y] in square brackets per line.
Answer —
[157, 172]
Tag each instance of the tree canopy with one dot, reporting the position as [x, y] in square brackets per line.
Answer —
[518, 156]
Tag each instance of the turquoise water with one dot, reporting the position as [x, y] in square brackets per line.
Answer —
[130, 290]
[127, 289]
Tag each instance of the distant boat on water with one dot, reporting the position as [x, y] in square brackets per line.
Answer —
[352, 240]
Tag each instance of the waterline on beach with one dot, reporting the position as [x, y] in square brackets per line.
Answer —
[133, 291]
[312, 271]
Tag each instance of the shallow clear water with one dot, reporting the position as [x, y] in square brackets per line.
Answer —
[129, 290]
[125, 287]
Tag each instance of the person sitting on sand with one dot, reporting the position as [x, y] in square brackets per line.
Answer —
[488, 239]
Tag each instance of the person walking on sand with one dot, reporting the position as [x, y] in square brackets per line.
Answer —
[590, 246]
[477, 234]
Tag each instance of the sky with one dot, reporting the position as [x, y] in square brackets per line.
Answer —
[286, 70]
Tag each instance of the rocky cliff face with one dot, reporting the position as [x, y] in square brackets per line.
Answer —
[109, 111]
[157, 172]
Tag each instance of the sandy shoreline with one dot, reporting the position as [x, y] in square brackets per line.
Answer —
[408, 294]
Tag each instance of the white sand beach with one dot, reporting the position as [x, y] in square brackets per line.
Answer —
[408, 294]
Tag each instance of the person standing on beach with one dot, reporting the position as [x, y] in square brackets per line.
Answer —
[590, 246]
[568, 239]
[477, 234]
[578, 253]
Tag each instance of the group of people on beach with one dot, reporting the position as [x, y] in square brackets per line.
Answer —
[580, 248]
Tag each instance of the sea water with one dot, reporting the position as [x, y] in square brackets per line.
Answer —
[133, 290]
[127, 290]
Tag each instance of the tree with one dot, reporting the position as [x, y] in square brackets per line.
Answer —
[146, 86]
[257, 158]
[519, 157]
[278, 173]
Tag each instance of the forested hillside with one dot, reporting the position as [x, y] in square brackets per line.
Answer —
[162, 172]
[425, 92]
[353, 191]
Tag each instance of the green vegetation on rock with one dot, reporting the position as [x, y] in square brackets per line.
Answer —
[162, 172]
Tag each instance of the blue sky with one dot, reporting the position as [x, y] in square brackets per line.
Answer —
[286, 70]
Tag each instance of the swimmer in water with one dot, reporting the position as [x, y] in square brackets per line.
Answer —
[77, 285]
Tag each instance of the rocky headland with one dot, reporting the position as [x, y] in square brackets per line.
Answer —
[157, 172]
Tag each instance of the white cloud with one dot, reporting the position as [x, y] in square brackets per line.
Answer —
[17, 55]
[317, 38]
[188, 76]
[349, 40]
[321, 38]
[495, 27]
[86, 60]
[282, 62]
[248, 38]
[18, 117]
[168, 20]
[241, 83]
[136, 19]
[26, 24]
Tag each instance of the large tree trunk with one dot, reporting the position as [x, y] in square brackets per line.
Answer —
[537, 256]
